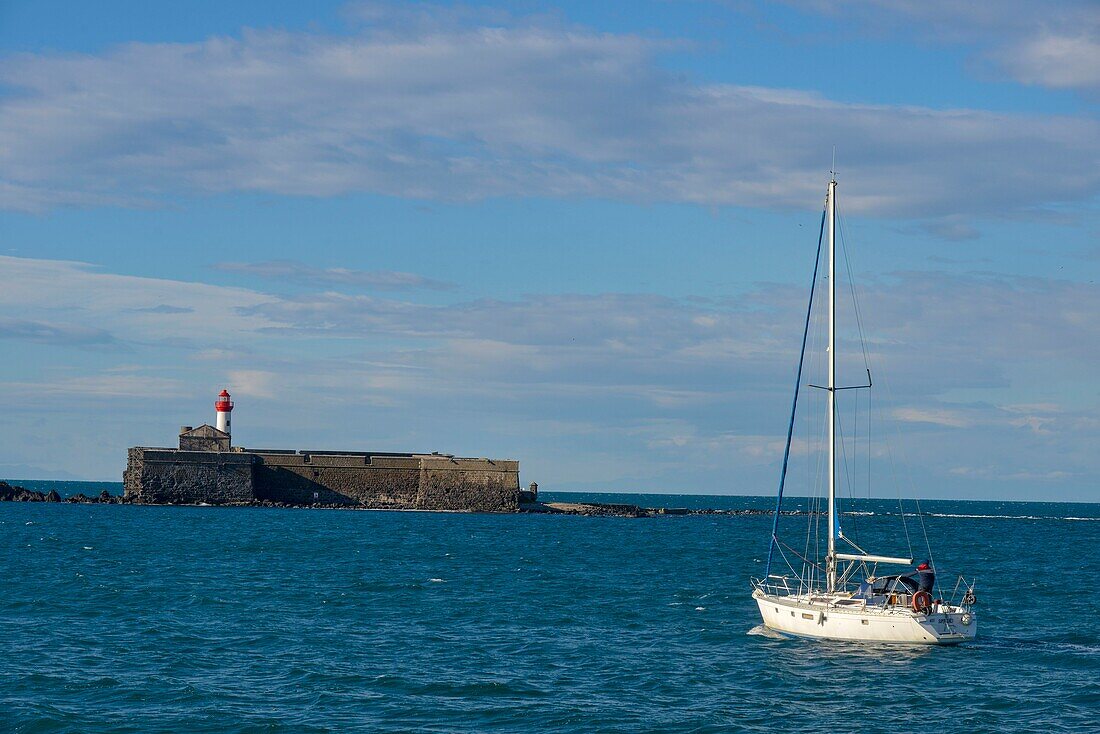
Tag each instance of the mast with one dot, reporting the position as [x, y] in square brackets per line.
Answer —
[830, 559]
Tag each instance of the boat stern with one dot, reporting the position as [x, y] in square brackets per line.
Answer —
[950, 627]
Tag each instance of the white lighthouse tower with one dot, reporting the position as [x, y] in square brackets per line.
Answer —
[224, 406]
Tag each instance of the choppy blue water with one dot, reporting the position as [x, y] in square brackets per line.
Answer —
[188, 619]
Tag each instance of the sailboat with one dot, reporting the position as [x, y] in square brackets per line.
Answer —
[843, 596]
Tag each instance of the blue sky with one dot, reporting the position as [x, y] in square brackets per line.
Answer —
[576, 234]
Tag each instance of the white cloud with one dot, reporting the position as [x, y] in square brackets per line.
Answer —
[255, 383]
[1058, 60]
[653, 385]
[937, 416]
[296, 272]
[107, 307]
[100, 386]
[456, 110]
[1000, 474]
[1049, 44]
[54, 333]
[941, 331]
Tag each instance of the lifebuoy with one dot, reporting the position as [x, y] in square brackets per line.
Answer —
[922, 602]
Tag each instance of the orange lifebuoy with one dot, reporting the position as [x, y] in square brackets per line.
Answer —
[922, 602]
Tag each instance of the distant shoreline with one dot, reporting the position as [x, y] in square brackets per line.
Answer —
[16, 493]
[586, 508]
[604, 496]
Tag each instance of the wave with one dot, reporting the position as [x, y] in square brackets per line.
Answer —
[1072, 644]
[762, 631]
[997, 517]
[1007, 517]
[972, 516]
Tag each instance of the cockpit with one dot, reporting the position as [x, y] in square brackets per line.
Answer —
[894, 585]
[885, 590]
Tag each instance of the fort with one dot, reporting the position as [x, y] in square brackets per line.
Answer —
[207, 469]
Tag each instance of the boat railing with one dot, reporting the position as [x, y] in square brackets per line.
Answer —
[966, 588]
[774, 585]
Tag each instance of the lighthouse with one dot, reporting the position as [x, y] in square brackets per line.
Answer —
[224, 406]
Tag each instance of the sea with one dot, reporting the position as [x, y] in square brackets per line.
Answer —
[123, 618]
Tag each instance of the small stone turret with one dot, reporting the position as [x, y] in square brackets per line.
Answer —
[203, 438]
[531, 494]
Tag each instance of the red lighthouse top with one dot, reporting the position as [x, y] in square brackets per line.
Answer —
[223, 404]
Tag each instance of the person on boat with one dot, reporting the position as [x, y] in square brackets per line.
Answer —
[926, 576]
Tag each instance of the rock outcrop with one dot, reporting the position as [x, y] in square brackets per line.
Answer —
[604, 509]
[9, 493]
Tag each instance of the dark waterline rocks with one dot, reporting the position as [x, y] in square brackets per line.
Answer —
[9, 493]
[603, 509]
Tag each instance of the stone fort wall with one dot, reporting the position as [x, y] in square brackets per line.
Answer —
[378, 481]
[169, 476]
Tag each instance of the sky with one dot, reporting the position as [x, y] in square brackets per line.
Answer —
[576, 234]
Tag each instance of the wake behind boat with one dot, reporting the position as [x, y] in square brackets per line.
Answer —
[842, 597]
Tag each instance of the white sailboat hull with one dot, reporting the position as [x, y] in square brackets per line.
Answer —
[799, 616]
